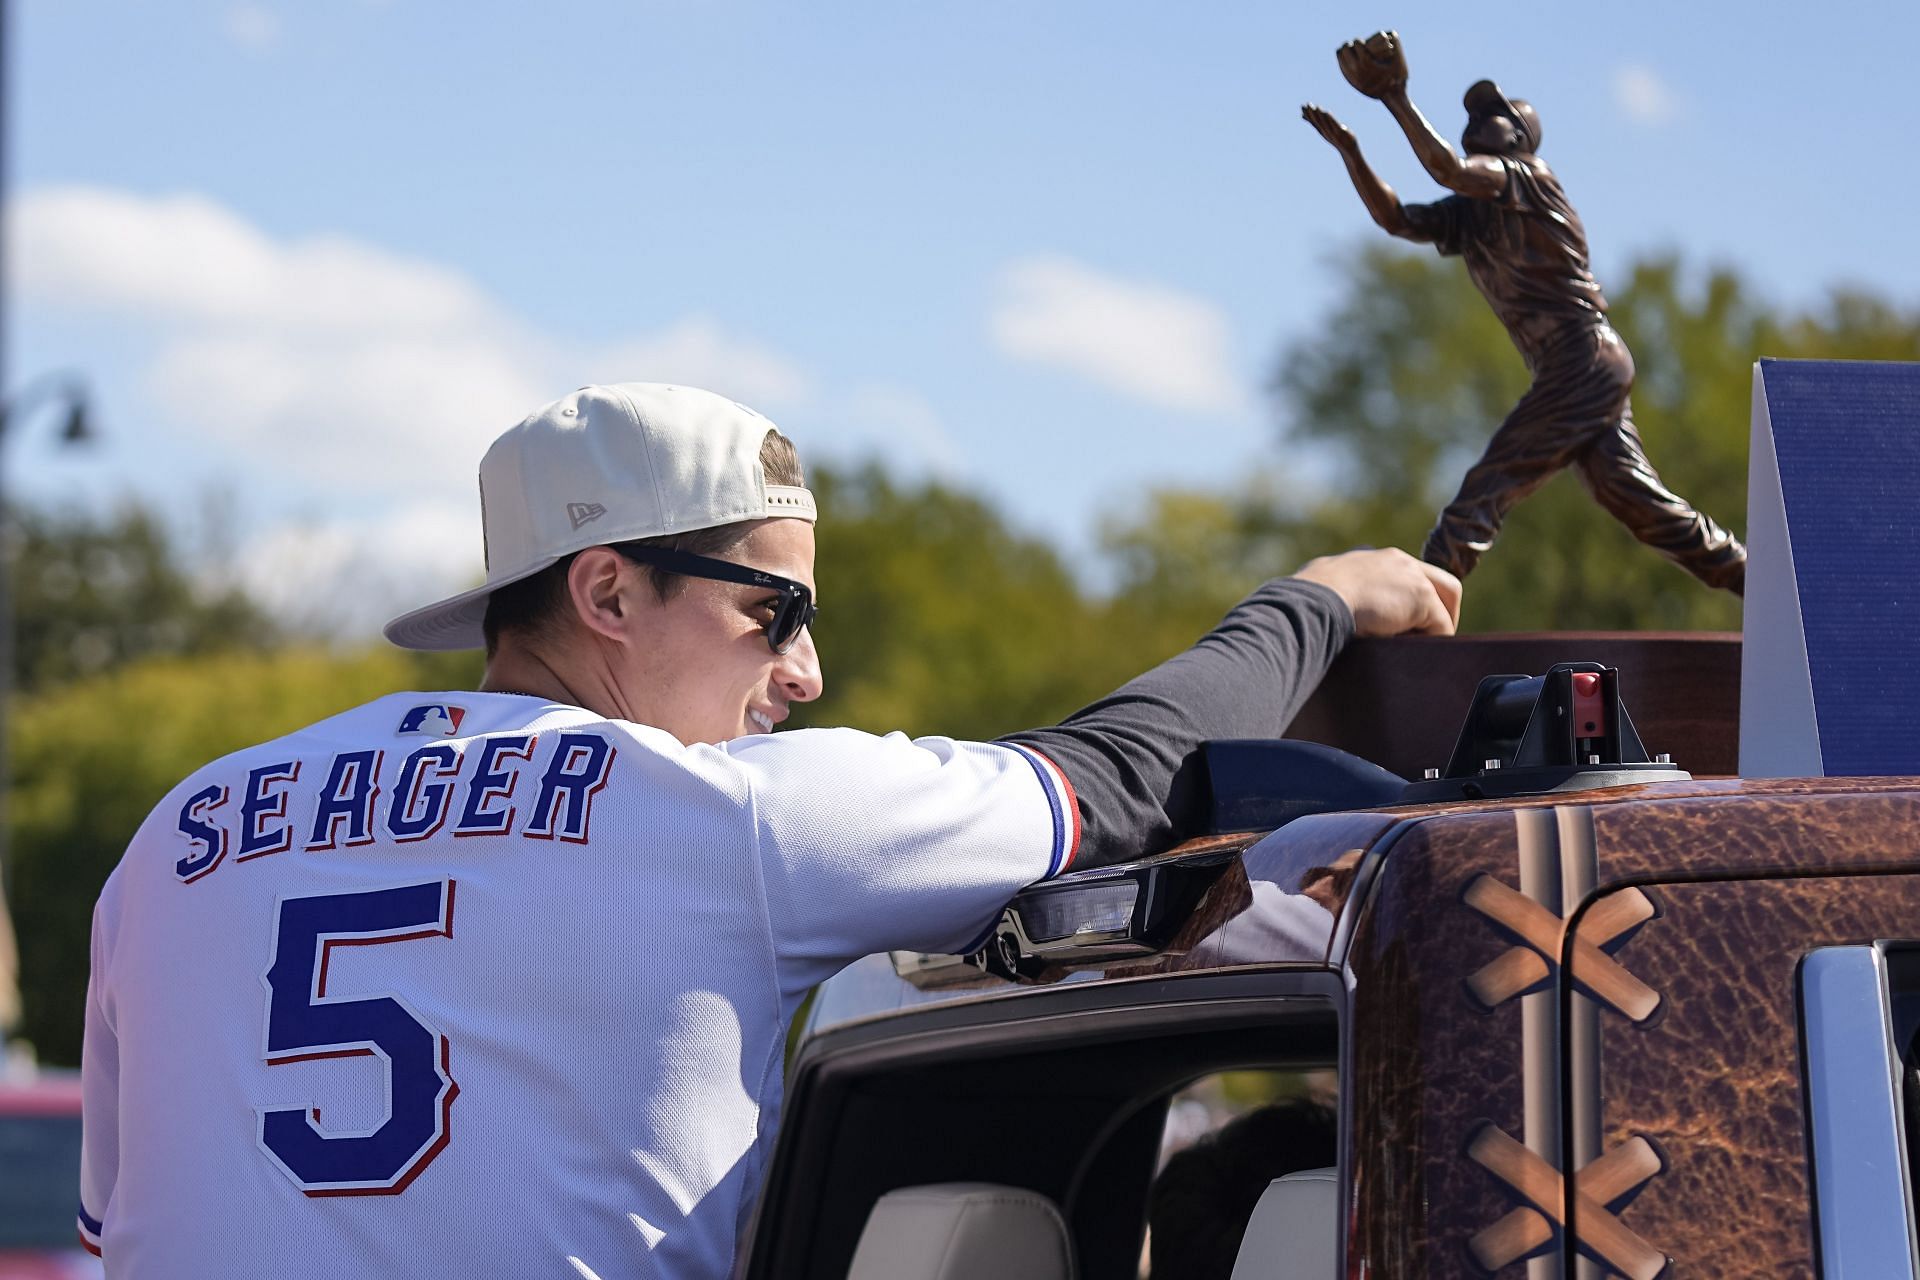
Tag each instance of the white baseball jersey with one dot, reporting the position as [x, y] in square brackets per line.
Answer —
[476, 984]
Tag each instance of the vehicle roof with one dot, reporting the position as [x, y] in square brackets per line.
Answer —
[1289, 897]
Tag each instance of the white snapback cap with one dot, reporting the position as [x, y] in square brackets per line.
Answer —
[603, 465]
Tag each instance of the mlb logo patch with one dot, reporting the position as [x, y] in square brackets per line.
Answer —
[434, 720]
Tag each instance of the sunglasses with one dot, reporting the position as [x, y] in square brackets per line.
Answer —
[790, 617]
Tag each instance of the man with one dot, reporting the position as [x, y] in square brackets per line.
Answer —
[1526, 252]
[497, 983]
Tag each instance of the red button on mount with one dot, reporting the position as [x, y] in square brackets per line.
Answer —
[1589, 713]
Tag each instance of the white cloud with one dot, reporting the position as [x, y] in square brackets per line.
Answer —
[1143, 340]
[185, 260]
[314, 355]
[348, 369]
[1640, 92]
[409, 415]
[252, 27]
[344, 580]
[324, 354]
[695, 351]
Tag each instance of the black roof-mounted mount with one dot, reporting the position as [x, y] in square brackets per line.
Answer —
[1566, 730]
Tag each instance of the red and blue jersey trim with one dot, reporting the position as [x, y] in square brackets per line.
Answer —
[1064, 804]
[89, 1232]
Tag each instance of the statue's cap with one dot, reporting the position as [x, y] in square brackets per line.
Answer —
[1485, 99]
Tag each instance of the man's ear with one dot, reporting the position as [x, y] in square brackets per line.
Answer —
[602, 589]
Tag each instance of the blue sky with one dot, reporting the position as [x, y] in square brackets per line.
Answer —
[314, 256]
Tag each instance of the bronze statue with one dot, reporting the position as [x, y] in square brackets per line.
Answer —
[1527, 253]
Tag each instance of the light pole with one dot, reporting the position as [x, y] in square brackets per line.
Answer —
[69, 392]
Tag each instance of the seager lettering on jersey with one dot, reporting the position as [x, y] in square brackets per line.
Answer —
[350, 799]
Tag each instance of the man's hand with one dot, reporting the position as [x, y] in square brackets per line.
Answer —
[1376, 66]
[1390, 592]
[1331, 129]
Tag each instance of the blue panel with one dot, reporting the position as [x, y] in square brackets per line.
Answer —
[1847, 436]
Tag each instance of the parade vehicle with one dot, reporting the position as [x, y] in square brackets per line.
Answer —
[1593, 1010]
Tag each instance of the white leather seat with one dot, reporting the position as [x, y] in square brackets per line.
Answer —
[1294, 1233]
[963, 1231]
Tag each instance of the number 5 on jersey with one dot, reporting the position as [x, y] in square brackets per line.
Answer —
[305, 1023]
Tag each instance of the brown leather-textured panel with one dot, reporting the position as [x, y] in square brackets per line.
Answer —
[1725, 826]
[1428, 1065]
[1690, 988]
[1720, 827]
[1740, 789]
[1839, 826]
[1715, 1080]
[1682, 829]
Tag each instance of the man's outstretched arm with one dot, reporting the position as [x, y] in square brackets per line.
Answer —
[1481, 176]
[1381, 202]
[1134, 756]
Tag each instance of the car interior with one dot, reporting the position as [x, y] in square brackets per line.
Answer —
[1020, 1138]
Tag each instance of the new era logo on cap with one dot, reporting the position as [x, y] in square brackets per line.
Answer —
[434, 720]
[582, 512]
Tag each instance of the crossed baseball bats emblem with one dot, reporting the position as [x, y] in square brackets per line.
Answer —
[1542, 933]
[1606, 1182]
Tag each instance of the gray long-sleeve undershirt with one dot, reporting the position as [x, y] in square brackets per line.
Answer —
[1133, 757]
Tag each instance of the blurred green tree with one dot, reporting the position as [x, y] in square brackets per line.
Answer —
[1194, 553]
[93, 593]
[937, 617]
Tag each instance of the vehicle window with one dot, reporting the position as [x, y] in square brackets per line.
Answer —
[1061, 1090]
[39, 1181]
[1903, 992]
[1226, 1137]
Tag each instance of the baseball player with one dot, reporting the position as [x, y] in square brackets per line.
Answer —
[497, 982]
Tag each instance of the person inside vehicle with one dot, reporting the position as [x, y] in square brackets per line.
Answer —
[498, 982]
[1201, 1202]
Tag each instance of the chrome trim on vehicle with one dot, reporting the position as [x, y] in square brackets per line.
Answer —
[1863, 1196]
